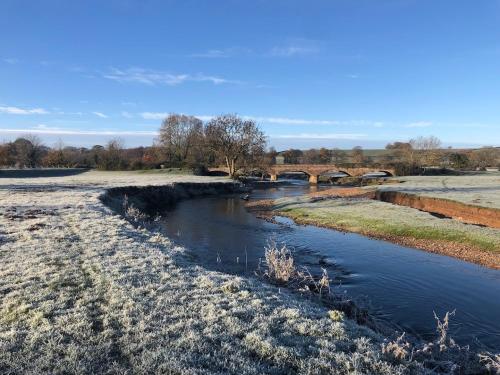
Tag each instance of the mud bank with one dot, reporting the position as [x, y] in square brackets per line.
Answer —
[466, 213]
[153, 200]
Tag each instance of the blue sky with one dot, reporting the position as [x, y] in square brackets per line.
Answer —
[333, 73]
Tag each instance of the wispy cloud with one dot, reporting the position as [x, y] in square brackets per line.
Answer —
[419, 124]
[45, 127]
[313, 122]
[211, 54]
[58, 112]
[100, 114]
[126, 114]
[296, 47]
[291, 121]
[223, 53]
[10, 60]
[47, 63]
[321, 136]
[292, 47]
[23, 111]
[154, 115]
[128, 104]
[162, 115]
[276, 120]
[42, 129]
[152, 77]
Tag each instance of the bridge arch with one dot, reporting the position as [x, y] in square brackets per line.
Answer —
[314, 171]
[310, 177]
[388, 173]
[378, 173]
[336, 171]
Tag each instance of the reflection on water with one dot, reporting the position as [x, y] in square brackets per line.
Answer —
[403, 285]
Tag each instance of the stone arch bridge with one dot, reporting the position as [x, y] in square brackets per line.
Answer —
[313, 171]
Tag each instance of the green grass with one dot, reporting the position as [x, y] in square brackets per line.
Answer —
[375, 226]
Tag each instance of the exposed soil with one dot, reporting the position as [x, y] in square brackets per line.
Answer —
[456, 210]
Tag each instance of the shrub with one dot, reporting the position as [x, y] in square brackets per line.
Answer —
[279, 263]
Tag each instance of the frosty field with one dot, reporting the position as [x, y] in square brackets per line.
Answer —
[83, 291]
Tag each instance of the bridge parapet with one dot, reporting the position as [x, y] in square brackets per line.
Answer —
[315, 170]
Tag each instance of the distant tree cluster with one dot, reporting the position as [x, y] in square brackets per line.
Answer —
[239, 145]
[227, 139]
[183, 142]
[324, 156]
[29, 152]
[424, 152]
[409, 157]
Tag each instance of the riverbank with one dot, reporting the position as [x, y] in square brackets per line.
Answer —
[357, 210]
[82, 290]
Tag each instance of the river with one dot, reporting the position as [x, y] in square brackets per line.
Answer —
[399, 285]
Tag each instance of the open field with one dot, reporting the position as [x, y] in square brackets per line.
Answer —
[405, 225]
[83, 291]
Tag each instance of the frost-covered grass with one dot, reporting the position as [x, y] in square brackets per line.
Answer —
[106, 179]
[83, 291]
[478, 189]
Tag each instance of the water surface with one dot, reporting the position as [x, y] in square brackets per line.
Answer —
[400, 285]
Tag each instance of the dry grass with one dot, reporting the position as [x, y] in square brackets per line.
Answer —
[279, 265]
[491, 362]
[443, 354]
[279, 268]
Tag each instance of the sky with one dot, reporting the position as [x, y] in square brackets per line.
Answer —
[323, 73]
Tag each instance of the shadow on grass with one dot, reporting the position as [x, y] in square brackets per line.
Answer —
[41, 172]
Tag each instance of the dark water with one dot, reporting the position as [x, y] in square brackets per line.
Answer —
[400, 285]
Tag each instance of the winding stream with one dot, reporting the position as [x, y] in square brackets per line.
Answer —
[399, 285]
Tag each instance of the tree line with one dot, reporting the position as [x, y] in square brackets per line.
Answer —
[405, 157]
[183, 142]
[239, 145]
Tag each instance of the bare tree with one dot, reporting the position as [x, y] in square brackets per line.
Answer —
[112, 156]
[181, 137]
[311, 156]
[358, 155]
[55, 157]
[486, 157]
[428, 150]
[234, 139]
[338, 156]
[293, 156]
[403, 151]
[28, 151]
[7, 154]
